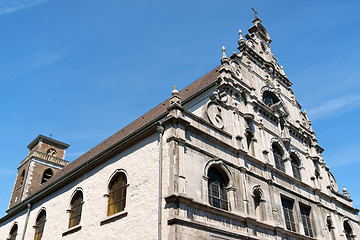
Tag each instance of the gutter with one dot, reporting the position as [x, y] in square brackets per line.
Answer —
[48, 189]
[26, 221]
[160, 129]
[76, 171]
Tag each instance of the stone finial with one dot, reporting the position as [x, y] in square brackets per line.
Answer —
[345, 192]
[241, 36]
[175, 91]
[241, 39]
[223, 52]
[175, 98]
[224, 59]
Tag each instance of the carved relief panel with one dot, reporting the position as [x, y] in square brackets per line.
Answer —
[215, 114]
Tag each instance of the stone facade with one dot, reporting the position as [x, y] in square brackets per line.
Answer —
[232, 156]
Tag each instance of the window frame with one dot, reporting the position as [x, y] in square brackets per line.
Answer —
[295, 165]
[40, 224]
[288, 210]
[13, 232]
[22, 177]
[348, 231]
[117, 205]
[269, 98]
[305, 212]
[43, 179]
[278, 157]
[217, 192]
[76, 210]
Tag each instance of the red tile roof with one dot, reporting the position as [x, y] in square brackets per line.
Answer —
[160, 109]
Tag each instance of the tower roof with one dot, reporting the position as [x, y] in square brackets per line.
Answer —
[42, 138]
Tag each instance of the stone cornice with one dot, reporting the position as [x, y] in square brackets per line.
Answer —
[44, 157]
[246, 219]
[82, 169]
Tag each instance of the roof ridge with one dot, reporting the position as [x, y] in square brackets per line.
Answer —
[144, 119]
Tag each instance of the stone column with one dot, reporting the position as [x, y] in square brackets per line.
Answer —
[231, 198]
[287, 164]
[244, 186]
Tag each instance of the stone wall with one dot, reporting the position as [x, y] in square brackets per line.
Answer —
[140, 162]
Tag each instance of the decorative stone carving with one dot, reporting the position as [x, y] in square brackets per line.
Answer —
[51, 152]
[215, 114]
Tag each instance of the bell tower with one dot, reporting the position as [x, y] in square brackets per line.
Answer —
[45, 158]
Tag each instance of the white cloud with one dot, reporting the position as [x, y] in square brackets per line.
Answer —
[335, 106]
[31, 63]
[10, 6]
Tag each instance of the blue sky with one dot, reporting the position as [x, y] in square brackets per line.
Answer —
[82, 70]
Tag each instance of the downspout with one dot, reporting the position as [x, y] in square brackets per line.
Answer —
[160, 129]
[27, 220]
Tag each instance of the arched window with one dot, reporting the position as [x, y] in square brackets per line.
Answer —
[279, 163]
[48, 173]
[76, 207]
[295, 164]
[330, 227]
[249, 142]
[22, 177]
[39, 225]
[269, 98]
[258, 205]
[13, 232]
[117, 193]
[348, 230]
[216, 189]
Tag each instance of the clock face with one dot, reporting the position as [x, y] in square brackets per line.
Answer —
[51, 152]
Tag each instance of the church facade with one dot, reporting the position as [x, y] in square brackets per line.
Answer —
[231, 156]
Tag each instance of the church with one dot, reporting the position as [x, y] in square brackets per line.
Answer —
[231, 156]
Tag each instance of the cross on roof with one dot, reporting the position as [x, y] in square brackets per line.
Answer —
[51, 135]
[255, 12]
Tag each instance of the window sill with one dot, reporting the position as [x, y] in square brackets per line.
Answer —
[114, 217]
[72, 230]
